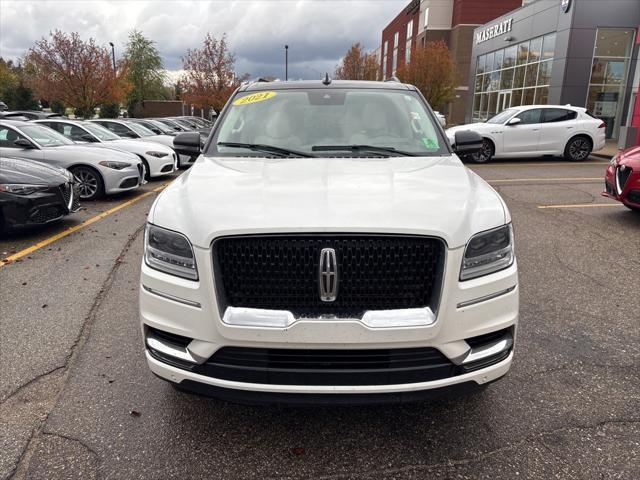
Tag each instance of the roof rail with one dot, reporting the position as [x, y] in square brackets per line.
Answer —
[393, 79]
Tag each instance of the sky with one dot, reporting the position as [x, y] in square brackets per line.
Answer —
[318, 32]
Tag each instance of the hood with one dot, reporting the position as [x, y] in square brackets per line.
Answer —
[435, 196]
[162, 139]
[137, 146]
[88, 153]
[630, 157]
[16, 170]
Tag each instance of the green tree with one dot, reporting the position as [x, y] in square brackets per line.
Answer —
[145, 72]
[109, 110]
[13, 89]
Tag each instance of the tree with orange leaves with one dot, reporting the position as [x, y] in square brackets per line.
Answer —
[433, 71]
[357, 65]
[78, 73]
[209, 77]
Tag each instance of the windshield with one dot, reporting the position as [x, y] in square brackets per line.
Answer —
[319, 121]
[503, 116]
[100, 132]
[45, 137]
[140, 130]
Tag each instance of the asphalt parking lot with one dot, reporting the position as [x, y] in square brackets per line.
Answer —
[78, 401]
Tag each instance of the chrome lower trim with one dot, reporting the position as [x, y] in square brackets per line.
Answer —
[170, 349]
[168, 296]
[491, 296]
[255, 317]
[489, 349]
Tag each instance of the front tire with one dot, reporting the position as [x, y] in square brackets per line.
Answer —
[90, 184]
[485, 153]
[578, 149]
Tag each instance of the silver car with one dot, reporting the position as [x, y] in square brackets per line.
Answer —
[98, 171]
[130, 129]
[158, 160]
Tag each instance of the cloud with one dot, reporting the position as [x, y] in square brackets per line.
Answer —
[318, 32]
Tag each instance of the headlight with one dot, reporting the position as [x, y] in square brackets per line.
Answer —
[22, 188]
[169, 252]
[115, 165]
[487, 252]
[614, 161]
[157, 154]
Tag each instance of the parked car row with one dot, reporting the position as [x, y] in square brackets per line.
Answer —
[51, 162]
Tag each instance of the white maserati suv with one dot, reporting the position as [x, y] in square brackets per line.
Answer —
[537, 130]
[328, 246]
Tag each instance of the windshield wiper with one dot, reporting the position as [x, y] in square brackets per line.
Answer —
[356, 148]
[266, 148]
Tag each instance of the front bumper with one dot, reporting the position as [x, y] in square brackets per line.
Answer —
[623, 188]
[117, 181]
[39, 208]
[162, 166]
[467, 309]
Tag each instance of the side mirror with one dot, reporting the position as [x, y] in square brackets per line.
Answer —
[187, 143]
[514, 121]
[24, 143]
[87, 137]
[157, 131]
[131, 134]
[467, 142]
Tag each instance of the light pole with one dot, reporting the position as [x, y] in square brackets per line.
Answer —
[113, 55]
[286, 63]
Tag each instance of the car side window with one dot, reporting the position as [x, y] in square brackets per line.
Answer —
[56, 126]
[529, 117]
[116, 128]
[559, 115]
[7, 137]
[73, 132]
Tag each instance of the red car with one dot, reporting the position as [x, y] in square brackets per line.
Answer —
[622, 180]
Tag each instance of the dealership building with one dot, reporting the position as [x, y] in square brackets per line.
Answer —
[452, 21]
[578, 52]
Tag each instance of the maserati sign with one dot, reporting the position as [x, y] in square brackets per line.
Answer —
[494, 31]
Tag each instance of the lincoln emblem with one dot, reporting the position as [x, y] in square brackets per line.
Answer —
[328, 275]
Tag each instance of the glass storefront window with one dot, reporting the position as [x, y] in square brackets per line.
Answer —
[523, 53]
[489, 64]
[544, 73]
[516, 75]
[609, 70]
[497, 61]
[506, 81]
[531, 75]
[509, 57]
[548, 46]
[614, 42]
[535, 49]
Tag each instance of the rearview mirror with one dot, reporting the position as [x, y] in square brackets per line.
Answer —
[467, 142]
[187, 143]
[23, 143]
[514, 121]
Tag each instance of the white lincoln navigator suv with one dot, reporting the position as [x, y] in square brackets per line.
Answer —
[328, 246]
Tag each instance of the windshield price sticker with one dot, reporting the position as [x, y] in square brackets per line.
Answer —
[255, 98]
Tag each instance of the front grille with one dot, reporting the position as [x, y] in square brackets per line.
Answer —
[129, 182]
[140, 170]
[622, 177]
[45, 214]
[327, 367]
[281, 272]
[66, 191]
[75, 205]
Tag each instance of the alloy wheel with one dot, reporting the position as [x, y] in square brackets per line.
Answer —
[485, 153]
[579, 149]
[87, 183]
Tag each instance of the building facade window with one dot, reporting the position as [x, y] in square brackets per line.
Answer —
[407, 54]
[609, 71]
[513, 76]
[394, 60]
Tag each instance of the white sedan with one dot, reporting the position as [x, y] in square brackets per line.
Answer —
[537, 130]
[158, 159]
